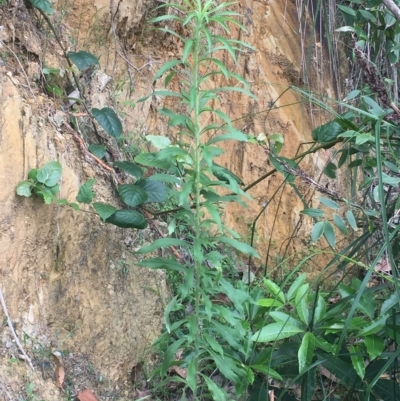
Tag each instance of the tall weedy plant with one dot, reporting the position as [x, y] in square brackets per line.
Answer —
[212, 335]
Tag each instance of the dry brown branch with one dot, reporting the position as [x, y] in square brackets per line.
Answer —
[390, 4]
[10, 325]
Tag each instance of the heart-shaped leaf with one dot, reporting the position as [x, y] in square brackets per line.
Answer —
[82, 59]
[108, 120]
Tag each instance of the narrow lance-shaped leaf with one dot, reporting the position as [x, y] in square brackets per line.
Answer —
[306, 351]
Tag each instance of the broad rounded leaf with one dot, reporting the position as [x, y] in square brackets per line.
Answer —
[43, 5]
[104, 210]
[127, 219]
[83, 59]
[274, 332]
[98, 150]
[155, 190]
[24, 188]
[132, 195]
[130, 168]
[159, 141]
[49, 174]
[327, 132]
[108, 120]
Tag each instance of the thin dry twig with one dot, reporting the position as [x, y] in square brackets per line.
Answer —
[22, 68]
[10, 325]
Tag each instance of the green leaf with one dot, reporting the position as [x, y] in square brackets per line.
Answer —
[132, 195]
[301, 303]
[126, 218]
[269, 302]
[389, 303]
[351, 220]
[275, 332]
[83, 59]
[158, 141]
[306, 351]
[104, 210]
[313, 212]
[98, 150]
[213, 344]
[223, 174]
[162, 263]
[295, 286]
[155, 190]
[43, 5]
[169, 355]
[327, 132]
[130, 168]
[232, 135]
[329, 234]
[215, 214]
[281, 317]
[375, 346]
[325, 345]
[240, 246]
[340, 224]
[85, 194]
[266, 370]
[375, 326]
[328, 203]
[274, 289]
[347, 10]
[150, 160]
[357, 361]
[45, 193]
[161, 243]
[217, 393]
[74, 206]
[317, 231]
[167, 66]
[352, 95]
[330, 170]
[320, 309]
[24, 188]
[49, 174]
[108, 120]
[32, 175]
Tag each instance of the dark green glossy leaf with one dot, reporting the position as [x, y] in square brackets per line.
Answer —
[130, 168]
[108, 120]
[98, 150]
[104, 210]
[127, 219]
[155, 190]
[132, 195]
[83, 59]
[43, 5]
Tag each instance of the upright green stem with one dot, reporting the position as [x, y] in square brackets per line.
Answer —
[197, 242]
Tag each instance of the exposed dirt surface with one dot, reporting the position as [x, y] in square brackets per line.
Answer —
[70, 282]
